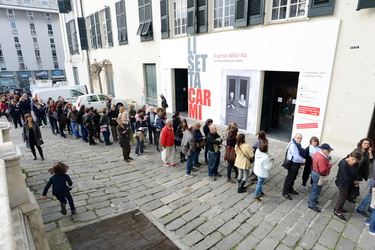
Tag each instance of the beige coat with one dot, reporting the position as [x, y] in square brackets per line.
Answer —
[241, 160]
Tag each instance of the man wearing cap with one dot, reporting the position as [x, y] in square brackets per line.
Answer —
[167, 142]
[321, 166]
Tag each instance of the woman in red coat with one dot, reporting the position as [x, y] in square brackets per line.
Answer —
[168, 155]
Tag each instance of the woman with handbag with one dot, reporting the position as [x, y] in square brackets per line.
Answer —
[244, 154]
[179, 134]
[201, 142]
[125, 132]
[140, 126]
[32, 136]
[345, 180]
[230, 155]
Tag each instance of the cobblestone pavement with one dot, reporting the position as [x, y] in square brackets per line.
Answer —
[194, 212]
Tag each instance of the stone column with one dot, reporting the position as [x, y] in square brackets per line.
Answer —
[4, 128]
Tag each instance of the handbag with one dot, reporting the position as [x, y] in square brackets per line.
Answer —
[354, 192]
[230, 154]
[77, 126]
[201, 144]
[287, 163]
[103, 128]
[54, 115]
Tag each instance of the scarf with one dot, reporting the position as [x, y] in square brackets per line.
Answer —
[300, 149]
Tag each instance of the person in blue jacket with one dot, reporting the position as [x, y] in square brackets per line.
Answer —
[61, 186]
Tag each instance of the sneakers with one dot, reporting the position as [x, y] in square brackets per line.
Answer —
[371, 233]
[189, 175]
[212, 178]
[175, 165]
[262, 194]
[167, 164]
[367, 223]
[63, 208]
[306, 188]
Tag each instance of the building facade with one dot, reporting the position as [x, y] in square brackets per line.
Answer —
[31, 48]
[284, 66]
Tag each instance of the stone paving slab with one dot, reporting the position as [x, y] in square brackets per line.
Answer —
[196, 213]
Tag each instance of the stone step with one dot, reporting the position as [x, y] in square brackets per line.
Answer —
[22, 233]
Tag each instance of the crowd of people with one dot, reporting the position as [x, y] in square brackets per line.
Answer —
[174, 136]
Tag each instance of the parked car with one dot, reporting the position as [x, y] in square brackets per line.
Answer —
[97, 101]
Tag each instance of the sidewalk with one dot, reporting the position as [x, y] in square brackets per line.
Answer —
[193, 212]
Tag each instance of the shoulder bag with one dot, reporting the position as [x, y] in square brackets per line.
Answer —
[250, 159]
[323, 179]
[230, 154]
[287, 163]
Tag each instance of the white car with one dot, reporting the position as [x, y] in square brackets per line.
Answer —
[97, 101]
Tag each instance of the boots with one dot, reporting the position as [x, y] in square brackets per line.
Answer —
[241, 188]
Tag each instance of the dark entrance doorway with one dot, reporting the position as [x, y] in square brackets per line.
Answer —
[279, 95]
[371, 132]
[181, 89]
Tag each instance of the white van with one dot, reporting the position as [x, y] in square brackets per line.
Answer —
[70, 93]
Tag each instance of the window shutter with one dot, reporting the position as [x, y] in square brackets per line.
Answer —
[82, 33]
[164, 19]
[256, 12]
[191, 19]
[69, 37]
[365, 4]
[109, 26]
[240, 13]
[61, 6]
[202, 16]
[321, 7]
[67, 6]
[98, 34]
[93, 32]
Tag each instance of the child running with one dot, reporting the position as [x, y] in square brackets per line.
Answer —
[60, 189]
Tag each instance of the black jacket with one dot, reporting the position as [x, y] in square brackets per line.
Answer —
[211, 140]
[346, 174]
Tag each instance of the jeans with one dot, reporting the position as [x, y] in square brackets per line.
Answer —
[196, 156]
[106, 135]
[371, 220]
[67, 196]
[53, 123]
[38, 121]
[291, 177]
[229, 169]
[315, 189]
[83, 132]
[189, 163]
[139, 146]
[367, 200]
[258, 188]
[75, 132]
[213, 162]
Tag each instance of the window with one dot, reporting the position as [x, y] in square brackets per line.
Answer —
[30, 15]
[10, 14]
[54, 55]
[37, 55]
[288, 9]
[108, 25]
[22, 66]
[122, 34]
[76, 76]
[223, 13]
[48, 17]
[95, 36]
[16, 39]
[82, 33]
[19, 53]
[151, 84]
[27, 1]
[35, 40]
[104, 27]
[75, 93]
[179, 17]
[92, 98]
[50, 31]
[55, 65]
[13, 25]
[72, 37]
[32, 29]
[52, 40]
[102, 97]
[324, 7]
[249, 12]
[145, 20]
